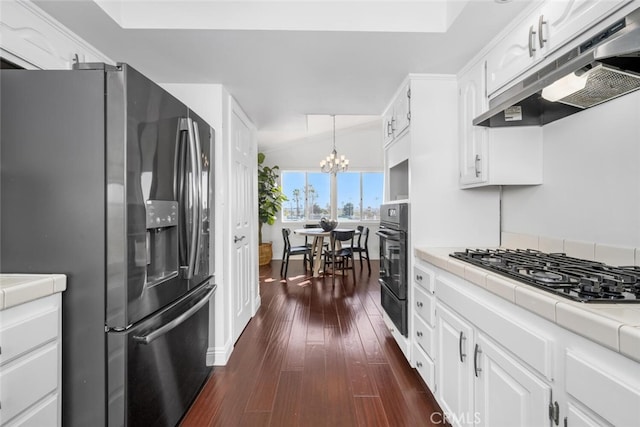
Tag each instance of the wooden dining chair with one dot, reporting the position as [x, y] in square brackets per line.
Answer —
[340, 253]
[293, 250]
[362, 247]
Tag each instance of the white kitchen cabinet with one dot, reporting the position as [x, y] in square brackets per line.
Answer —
[516, 52]
[473, 139]
[397, 116]
[422, 327]
[454, 367]
[593, 384]
[499, 366]
[541, 32]
[506, 156]
[506, 392]
[561, 21]
[30, 363]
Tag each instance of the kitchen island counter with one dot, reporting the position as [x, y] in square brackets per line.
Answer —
[613, 325]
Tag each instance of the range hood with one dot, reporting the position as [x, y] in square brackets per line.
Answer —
[603, 68]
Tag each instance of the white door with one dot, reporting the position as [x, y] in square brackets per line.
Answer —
[243, 218]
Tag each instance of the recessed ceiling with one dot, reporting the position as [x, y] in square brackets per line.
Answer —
[284, 60]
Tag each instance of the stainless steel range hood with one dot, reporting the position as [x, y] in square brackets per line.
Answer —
[608, 66]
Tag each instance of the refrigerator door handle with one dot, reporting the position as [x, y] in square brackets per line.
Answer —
[188, 202]
[197, 178]
[150, 337]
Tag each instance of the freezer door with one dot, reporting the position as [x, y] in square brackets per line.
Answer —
[157, 368]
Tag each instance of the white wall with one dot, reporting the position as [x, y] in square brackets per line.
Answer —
[591, 189]
[361, 144]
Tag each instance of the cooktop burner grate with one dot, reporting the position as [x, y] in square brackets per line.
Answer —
[574, 278]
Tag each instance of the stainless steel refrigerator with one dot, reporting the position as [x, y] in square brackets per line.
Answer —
[106, 177]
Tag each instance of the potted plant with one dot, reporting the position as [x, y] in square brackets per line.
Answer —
[270, 198]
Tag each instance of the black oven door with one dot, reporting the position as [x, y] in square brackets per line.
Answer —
[393, 261]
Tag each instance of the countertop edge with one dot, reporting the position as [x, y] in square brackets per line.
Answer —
[28, 287]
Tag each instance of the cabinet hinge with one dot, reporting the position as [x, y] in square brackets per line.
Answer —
[409, 93]
[409, 116]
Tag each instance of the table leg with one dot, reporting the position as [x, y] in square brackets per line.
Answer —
[318, 242]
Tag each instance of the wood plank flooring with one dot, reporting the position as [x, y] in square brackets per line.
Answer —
[315, 355]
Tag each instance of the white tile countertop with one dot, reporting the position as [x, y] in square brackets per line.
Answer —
[17, 289]
[616, 326]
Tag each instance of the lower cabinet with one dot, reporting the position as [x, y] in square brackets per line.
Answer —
[506, 392]
[454, 369]
[30, 364]
[491, 363]
[481, 383]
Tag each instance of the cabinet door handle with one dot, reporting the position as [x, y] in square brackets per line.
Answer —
[462, 338]
[475, 360]
[419, 364]
[419, 334]
[476, 163]
[541, 37]
[532, 43]
[419, 304]
[419, 278]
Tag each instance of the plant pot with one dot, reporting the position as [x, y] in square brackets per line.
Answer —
[265, 253]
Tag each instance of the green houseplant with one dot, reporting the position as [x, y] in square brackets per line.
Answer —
[270, 198]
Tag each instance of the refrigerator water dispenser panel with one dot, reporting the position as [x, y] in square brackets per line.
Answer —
[162, 241]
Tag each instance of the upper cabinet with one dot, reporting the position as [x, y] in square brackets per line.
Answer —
[398, 116]
[493, 156]
[550, 26]
[473, 145]
[515, 53]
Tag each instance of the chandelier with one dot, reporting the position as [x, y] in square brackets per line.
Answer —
[333, 163]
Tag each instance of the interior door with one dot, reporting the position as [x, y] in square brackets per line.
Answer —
[243, 218]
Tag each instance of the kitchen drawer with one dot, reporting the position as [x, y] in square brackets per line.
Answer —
[425, 366]
[44, 414]
[614, 397]
[424, 278]
[20, 334]
[28, 380]
[424, 335]
[424, 305]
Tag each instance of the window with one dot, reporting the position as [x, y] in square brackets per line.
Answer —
[357, 196]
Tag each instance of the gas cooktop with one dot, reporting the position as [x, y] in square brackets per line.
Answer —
[574, 278]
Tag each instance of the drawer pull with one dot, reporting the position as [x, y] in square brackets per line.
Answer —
[419, 364]
[419, 334]
[419, 304]
[419, 278]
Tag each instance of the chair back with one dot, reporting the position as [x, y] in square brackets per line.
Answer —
[341, 236]
[285, 236]
[317, 225]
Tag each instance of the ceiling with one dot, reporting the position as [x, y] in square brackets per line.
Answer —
[284, 60]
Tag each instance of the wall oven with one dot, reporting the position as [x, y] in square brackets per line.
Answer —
[394, 226]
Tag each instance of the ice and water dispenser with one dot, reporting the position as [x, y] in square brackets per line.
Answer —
[162, 241]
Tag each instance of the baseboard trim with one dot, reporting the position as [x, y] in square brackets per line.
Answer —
[219, 356]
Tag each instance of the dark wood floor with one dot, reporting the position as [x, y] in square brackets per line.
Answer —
[315, 356]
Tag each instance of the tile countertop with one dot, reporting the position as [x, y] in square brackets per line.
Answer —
[20, 288]
[616, 326]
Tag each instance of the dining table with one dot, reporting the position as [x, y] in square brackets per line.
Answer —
[318, 235]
